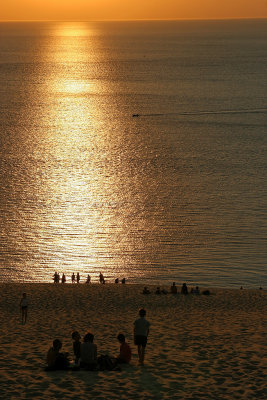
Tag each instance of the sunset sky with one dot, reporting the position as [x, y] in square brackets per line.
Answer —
[130, 9]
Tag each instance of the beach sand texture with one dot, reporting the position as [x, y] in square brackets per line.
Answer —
[199, 347]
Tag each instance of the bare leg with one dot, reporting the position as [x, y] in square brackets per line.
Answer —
[25, 315]
[140, 353]
[142, 356]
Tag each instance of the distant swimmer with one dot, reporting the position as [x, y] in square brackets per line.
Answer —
[135, 115]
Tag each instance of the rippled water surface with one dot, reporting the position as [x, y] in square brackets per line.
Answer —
[177, 192]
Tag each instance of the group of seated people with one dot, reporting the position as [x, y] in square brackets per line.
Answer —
[173, 290]
[123, 281]
[85, 354]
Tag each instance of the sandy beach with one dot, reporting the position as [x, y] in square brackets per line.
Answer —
[199, 347]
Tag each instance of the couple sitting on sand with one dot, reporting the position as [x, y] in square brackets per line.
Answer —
[86, 352]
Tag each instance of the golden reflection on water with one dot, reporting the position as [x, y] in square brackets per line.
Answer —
[70, 86]
[73, 184]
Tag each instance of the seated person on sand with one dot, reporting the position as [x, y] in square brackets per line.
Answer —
[184, 289]
[88, 352]
[146, 291]
[158, 291]
[56, 360]
[125, 351]
[195, 291]
[174, 288]
[76, 346]
[117, 280]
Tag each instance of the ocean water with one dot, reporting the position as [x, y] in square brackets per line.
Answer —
[137, 149]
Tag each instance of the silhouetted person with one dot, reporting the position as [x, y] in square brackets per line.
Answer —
[88, 280]
[117, 280]
[101, 278]
[88, 352]
[141, 331]
[184, 289]
[123, 280]
[146, 291]
[76, 346]
[158, 290]
[24, 308]
[55, 359]
[63, 279]
[73, 278]
[56, 277]
[78, 277]
[125, 350]
[174, 288]
[196, 290]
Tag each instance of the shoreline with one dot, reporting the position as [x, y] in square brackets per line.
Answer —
[141, 285]
[199, 347]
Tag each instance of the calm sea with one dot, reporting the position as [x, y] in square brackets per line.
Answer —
[137, 149]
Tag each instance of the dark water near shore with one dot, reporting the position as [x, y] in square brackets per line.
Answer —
[177, 193]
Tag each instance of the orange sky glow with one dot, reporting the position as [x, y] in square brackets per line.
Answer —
[77, 10]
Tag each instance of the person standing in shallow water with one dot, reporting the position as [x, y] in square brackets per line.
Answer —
[141, 331]
[24, 308]
[101, 278]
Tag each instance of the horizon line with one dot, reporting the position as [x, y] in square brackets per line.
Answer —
[134, 20]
